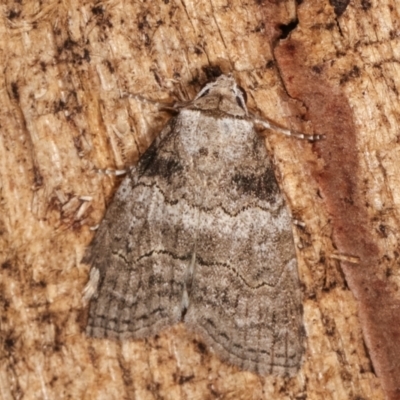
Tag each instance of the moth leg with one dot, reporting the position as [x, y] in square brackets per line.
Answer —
[287, 132]
[110, 171]
[345, 258]
[91, 287]
[168, 107]
[299, 223]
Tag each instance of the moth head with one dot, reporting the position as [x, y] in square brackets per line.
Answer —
[223, 95]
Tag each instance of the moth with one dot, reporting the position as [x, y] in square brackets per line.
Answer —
[199, 232]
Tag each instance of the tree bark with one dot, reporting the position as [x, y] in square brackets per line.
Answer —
[316, 67]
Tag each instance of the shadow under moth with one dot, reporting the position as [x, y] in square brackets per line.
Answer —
[199, 232]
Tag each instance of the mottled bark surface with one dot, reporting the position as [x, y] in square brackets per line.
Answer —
[318, 66]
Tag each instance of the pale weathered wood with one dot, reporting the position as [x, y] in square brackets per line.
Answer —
[62, 117]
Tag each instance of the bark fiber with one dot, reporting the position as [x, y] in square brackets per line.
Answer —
[328, 67]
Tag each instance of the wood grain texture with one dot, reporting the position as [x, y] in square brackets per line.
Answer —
[62, 117]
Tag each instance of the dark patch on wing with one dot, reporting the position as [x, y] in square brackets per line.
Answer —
[151, 164]
[164, 167]
[264, 186]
